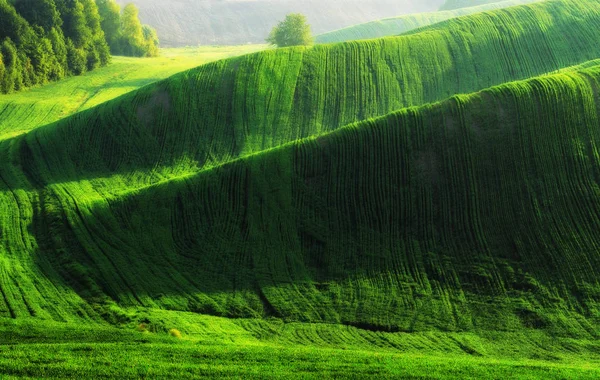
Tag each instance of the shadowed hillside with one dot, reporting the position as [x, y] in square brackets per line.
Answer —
[218, 193]
[232, 22]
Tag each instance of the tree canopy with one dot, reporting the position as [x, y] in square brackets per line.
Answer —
[46, 40]
[124, 32]
[293, 31]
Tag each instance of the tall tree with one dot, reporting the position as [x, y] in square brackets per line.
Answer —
[293, 31]
[110, 16]
[42, 13]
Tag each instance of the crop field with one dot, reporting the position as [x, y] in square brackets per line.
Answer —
[418, 206]
[398, 25]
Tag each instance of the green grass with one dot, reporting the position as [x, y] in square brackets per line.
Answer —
[119, 206]
[398, 25]
[220, 347]
[343, 210]
[27, 110]
[189, 361]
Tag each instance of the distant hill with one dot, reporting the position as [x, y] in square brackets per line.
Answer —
[397, 25]
[209, 22]
[456, 4]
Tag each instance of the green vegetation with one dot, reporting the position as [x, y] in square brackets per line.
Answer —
[293, 31]
[416, 206]
[398, 25]
[24, 111]
[457, 4]
[46, 40]
[225, 254]
[125, 33]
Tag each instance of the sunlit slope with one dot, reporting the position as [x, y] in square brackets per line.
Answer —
[398, 25]
[245, 105]
[21, 112]
[476, 213]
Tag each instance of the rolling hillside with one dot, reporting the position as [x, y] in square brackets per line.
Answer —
[184, 195]
[22, 112]
[315, 232]
[397, 25]
[457, 4]
[233, 22]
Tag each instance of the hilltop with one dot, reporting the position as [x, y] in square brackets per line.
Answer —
[394, 26]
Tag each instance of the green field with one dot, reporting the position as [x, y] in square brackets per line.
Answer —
[420, 206]
[29, 109]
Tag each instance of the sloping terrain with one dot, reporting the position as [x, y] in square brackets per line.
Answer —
[457, 4]
[24, 111]
[397, 25]
[232, 22]
[477, 213]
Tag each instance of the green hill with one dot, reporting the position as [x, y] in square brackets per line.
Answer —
[128, 204]
[397, 25]
[426, 202]
[457, 4]
[26, 110]
[316, 232]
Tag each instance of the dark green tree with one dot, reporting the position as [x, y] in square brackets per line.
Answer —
[42, 13]
[293, 31]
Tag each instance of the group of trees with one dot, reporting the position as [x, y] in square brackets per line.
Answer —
[46, 40]
[124, 32]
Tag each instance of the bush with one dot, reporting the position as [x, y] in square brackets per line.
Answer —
[175, 333]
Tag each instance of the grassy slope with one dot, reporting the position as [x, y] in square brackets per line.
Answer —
[67, 255]
[27, 110]
[315, 232]
[397, 25]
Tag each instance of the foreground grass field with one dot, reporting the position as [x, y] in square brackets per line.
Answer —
[223, 348]
[192, 361]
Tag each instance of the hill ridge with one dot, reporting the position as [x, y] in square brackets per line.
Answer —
[391, 26]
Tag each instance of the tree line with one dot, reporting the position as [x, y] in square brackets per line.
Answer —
[46, 40]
